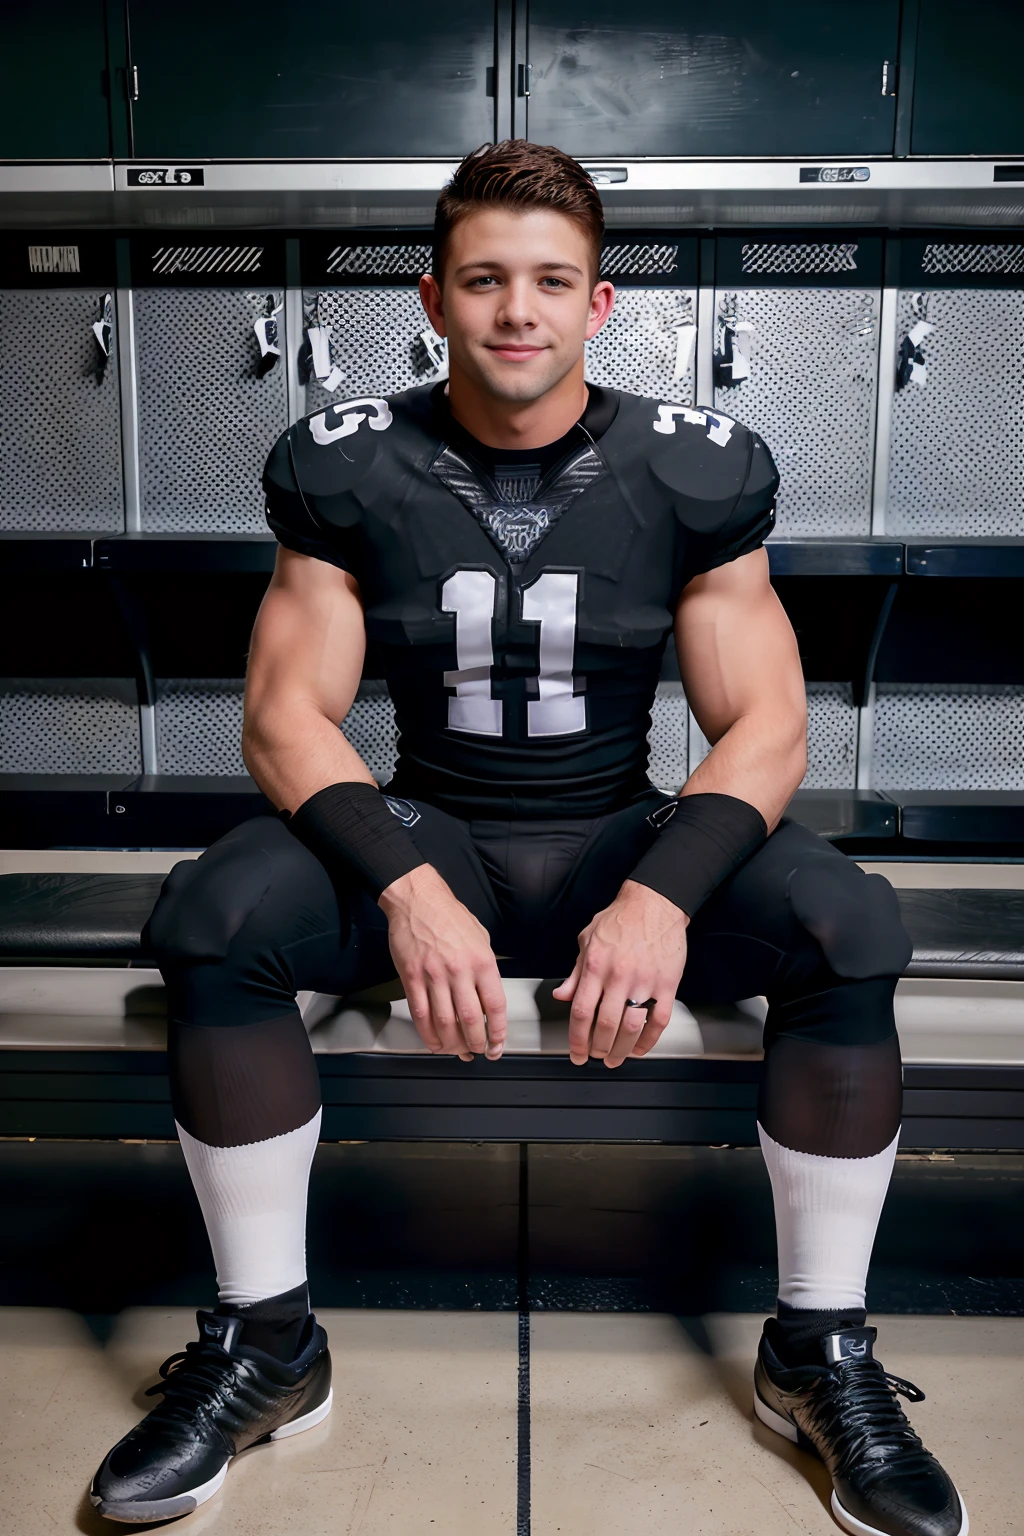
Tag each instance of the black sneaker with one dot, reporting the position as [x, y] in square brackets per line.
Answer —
[220, 1396]
[844, 1408]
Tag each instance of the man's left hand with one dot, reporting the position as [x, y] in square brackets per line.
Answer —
[634, 948]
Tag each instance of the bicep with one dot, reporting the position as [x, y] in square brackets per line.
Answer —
[736, 647]
[309, 639]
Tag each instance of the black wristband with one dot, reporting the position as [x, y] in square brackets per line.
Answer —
[705, 839]
[350, 828]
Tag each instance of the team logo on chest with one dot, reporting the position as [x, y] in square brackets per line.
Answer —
[517, 523]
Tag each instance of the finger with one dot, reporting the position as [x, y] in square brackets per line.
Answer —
[566, 988]
[609, 1017]
[630, 1028]
[470, 1014]
[581, 1016]
[492, 995]
[658, 1018]
[442, 1011]
[419, 1010]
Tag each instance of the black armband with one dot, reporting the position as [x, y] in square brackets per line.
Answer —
[350, 829]
[705, 839]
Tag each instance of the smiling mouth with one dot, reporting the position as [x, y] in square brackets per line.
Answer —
[512, 351]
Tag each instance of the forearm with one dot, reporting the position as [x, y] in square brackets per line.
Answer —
[757, 759]
[292, 750]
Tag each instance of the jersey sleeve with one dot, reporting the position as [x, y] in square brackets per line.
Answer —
[751, 517]
[288, 515]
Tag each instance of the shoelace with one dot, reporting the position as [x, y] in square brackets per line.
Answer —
[200, 1376]
[865, 1421]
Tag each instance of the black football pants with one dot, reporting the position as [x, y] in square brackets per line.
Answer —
[256, 918]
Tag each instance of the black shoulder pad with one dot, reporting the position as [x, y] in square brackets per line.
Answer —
[335, 448]
[702, 457]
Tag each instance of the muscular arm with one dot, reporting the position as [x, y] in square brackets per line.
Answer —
[741, 673]
[305, 662]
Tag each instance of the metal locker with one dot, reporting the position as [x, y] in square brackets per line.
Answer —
[956, 459]
[60, 452]
[208, 404]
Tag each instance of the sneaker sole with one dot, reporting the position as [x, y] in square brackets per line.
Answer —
[138, 1513]
[789, 1431]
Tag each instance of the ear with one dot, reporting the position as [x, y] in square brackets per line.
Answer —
[430, 298]
[601, 301]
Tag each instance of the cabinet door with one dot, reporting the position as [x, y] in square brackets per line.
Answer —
[674, 77]
[53, 105]
[968, 98]
[310, 81]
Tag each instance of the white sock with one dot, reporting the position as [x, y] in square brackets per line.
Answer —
[826, 1215]
[253, 1200]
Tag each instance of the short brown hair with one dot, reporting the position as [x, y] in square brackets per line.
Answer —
[519, 175]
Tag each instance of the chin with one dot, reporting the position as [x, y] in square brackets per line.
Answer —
[521, 384]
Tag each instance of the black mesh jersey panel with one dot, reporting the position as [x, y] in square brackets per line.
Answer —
[522, 669]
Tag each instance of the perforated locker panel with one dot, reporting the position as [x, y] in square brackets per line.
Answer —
[962, 736]
[638, 348]
[667, 768]
[831, 737]
[60, 450]
[199, 726]
[370, 727]
[811, 394]
[956, 464]
[69, 725]
[832, 730]
[206, 422]
[376, 342]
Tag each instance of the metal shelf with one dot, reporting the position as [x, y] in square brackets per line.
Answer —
[308, 193]
[186, 552]
[835, 557]
[838, 814]
[989, 557]
[962, 816]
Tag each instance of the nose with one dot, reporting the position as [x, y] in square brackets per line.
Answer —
[517, 310]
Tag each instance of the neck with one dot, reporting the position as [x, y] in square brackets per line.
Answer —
[518, 423]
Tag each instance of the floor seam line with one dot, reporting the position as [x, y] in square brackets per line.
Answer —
[523, 1512]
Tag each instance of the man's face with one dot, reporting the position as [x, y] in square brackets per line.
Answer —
[518, 300]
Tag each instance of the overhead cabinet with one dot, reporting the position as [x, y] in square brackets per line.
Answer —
[258, 81]
[967, 89]
[661, 77]
[53, 105]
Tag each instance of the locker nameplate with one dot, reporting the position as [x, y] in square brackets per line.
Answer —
[166, 176]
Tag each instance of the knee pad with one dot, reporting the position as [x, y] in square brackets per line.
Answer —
[204, 902]
[831, 1011]
[854, 917]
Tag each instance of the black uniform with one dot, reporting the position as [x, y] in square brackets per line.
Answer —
[521, 610]
[521, 642]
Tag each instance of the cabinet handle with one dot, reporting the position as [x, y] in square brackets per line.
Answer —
[525, 79]
[135, 83]
[885, 78]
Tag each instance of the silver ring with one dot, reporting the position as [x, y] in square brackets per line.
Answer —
[631, 1002]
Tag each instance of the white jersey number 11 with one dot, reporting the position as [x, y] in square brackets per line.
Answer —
[549, 601]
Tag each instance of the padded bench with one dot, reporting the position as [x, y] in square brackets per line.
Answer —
[83, 1033]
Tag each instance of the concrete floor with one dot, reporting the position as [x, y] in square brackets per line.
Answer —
[640, 1423]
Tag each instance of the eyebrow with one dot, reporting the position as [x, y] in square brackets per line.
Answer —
[498, 266]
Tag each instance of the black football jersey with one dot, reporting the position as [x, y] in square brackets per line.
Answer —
[521, 641]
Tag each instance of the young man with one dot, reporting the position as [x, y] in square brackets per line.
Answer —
[519, 547]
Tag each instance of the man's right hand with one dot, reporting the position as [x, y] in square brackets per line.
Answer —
[445, 962]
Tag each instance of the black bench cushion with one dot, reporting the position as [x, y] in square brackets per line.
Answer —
[973, 934]
[75, 917]
[977, 934]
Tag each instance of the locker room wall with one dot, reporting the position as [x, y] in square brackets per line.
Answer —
[810, 315]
